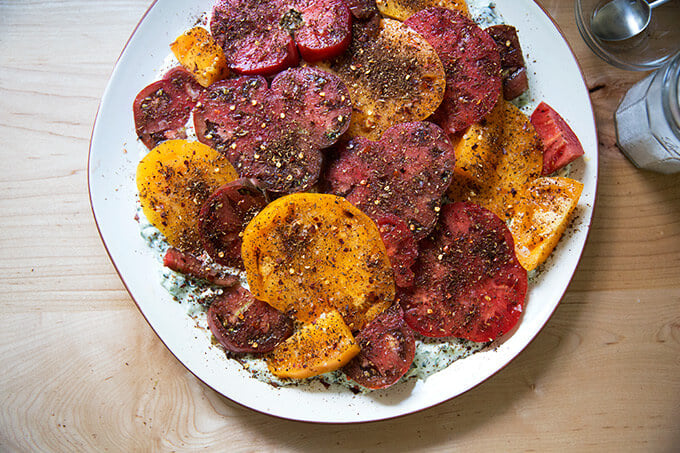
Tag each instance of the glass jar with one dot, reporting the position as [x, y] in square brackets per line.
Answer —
[648, 120]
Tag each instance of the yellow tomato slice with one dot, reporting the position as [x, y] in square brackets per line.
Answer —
[495, 159]
[541, 216]
[393, 75]
[323, 345]
[403, 9]
[173, 181]
[307, 254]
[200, 54]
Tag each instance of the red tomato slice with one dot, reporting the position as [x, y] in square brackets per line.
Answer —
[187, 264]
[469, 283]
[263, 37]
[242, 323]
[249, 33]
[387, 351]
[471, 61]
[326, 32]
[561, 146]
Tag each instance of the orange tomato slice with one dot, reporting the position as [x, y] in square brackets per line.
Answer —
[200, 54]
[393, 75]
[306, 254]
[498, 165]
[541, 216]
[403, 9]
[324, 345]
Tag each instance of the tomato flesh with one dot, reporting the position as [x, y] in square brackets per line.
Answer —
[387, 351]
[242, 323]
[225, 215]
[265, 37]
[469, 283]
[560, 144]
[162, 108]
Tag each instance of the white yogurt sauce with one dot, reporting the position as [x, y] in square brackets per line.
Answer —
[432, 355]
[484, 13]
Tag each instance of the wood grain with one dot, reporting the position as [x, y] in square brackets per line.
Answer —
[84, 372]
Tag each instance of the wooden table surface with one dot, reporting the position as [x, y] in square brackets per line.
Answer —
[82, 370]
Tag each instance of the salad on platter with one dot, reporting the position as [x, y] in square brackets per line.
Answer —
[349, 191]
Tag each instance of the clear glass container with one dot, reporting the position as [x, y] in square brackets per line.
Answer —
[648, 120]
[652, 48]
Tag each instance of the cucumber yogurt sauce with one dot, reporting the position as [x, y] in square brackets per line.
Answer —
[432, 355]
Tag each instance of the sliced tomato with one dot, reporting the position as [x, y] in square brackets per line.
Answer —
[263, 37]
[225, 215]
[388, 347]
[275, 134]
[513, 69]
[469, 283]
[162, 109]
[242, 323]
[326, 32]
[324, 345]
[188, 264]
[249, 33]
[471, 61]
[560, 144]
[405, 174]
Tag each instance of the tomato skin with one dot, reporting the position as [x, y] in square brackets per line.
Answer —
[188, 264]
[469, 283]
[561, 146]
[242, 323]
[387, 350]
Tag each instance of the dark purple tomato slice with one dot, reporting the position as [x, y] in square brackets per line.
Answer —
[275, 135]
[187, 264]
[326, 29]
[224, 216]
[242, 323]
[468, 281]
[313, 101]
[471, 62]
[251, 36]
[401, 246]
[230, 115]
[362, 9]
[161, 109]
[387, 351]
[513, 70]
[405, 174]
